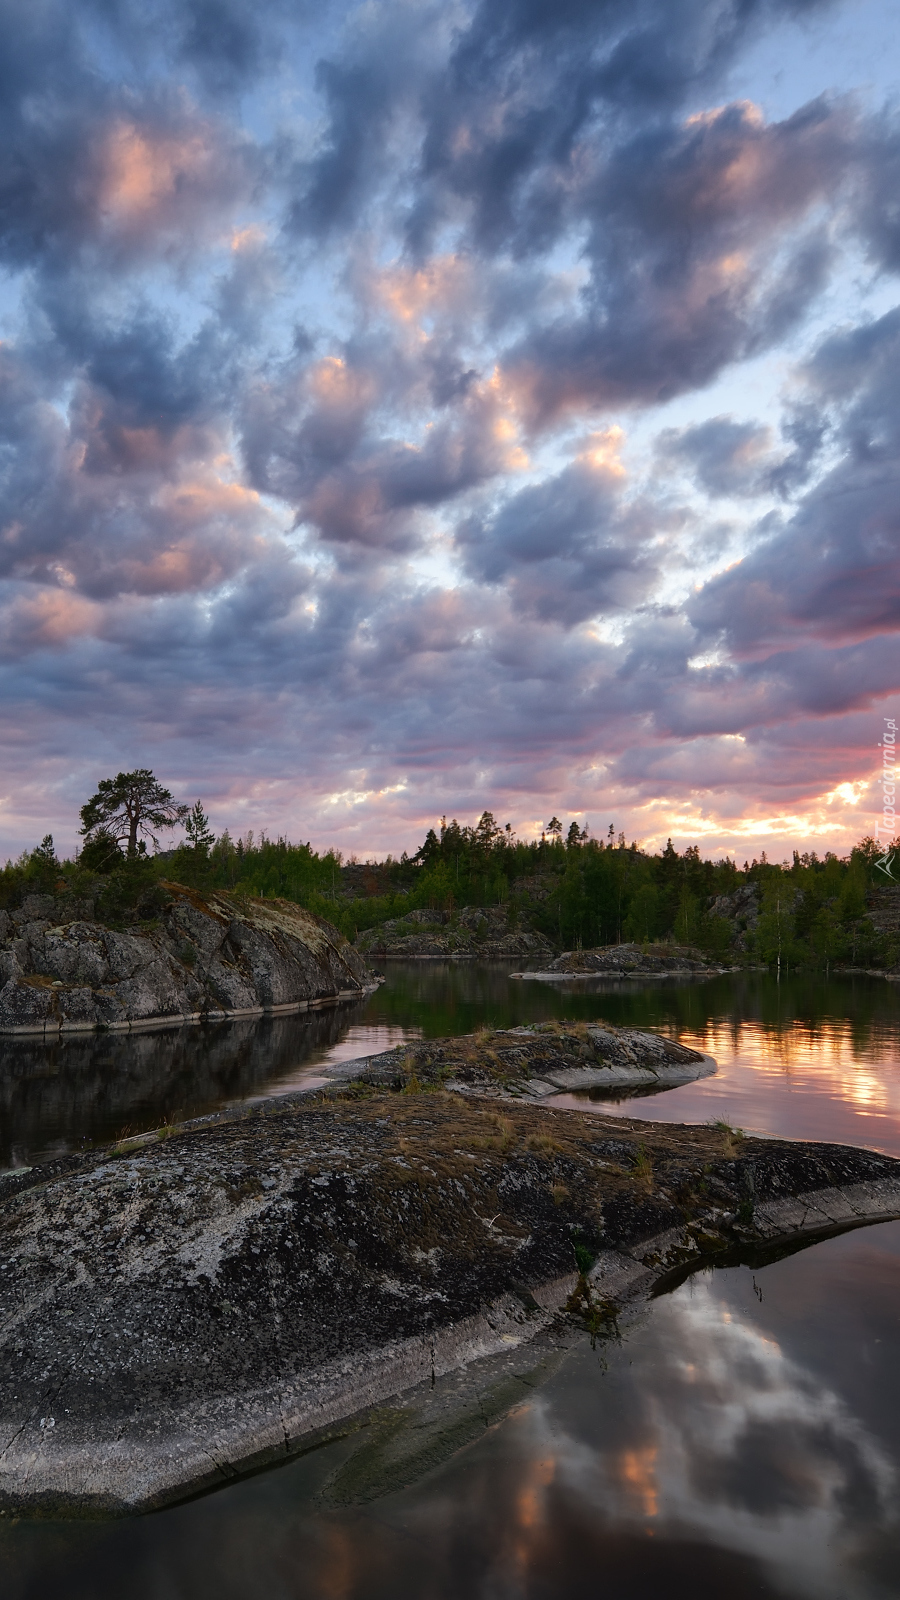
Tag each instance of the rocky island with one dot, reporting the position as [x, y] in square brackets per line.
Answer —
[540, 1059]
[482, 932]
[203, 957]
[182, 1307]
[630, 961]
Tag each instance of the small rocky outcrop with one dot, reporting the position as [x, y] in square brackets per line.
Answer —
[543, 1058]
[175, 1311]
[207, 956]
[477, 931]
[741, 911]
[883, 909]
[631, 961]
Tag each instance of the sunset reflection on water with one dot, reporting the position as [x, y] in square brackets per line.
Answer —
[741, 1437]
[832, 1081]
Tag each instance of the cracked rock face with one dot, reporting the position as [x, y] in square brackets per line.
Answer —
[209, 956]
[172, 1312]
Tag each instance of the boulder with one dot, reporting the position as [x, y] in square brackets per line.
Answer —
[540, 1059]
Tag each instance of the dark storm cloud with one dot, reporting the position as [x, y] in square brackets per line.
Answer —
[115, 176]
[727, 457]
[529, 84]
[116, 493]
[317, 437]
[878, 215]
[378, 80]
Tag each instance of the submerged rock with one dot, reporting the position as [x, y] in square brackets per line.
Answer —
[208, 956]
[174, 1311]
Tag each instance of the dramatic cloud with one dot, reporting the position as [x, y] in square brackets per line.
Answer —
[356, 457]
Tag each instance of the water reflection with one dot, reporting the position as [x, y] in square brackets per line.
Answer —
[804, 1058]
[832, 1079]
[81, 1088]
[729, 1444]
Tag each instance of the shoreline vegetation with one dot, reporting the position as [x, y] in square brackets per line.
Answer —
[480, 891]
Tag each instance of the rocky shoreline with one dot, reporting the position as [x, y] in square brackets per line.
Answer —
[206, 958]
[183, 1307]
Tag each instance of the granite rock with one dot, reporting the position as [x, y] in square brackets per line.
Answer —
[482, 932]
[207, 956]
[176, 1310]
[631, 961]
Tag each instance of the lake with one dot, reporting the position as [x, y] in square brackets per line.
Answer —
[742, 1437]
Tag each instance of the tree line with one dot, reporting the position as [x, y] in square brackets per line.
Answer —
[578, 890]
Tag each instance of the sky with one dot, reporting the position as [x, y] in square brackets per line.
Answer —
[408, 409]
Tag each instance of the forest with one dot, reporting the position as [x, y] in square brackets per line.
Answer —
[812, 911]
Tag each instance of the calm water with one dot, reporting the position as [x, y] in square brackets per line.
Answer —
[742, 1439]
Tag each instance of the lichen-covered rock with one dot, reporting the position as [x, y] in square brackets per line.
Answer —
[484, 932]
[631, 961]
[210, 955]
[740, 910]
[176, 1310]
[540, 1059]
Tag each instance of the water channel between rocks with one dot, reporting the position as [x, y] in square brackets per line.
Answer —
[743, 1437]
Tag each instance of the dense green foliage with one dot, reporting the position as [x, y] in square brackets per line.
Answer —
[580, 892]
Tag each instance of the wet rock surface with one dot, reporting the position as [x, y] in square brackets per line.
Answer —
[178, 1309]
[477, 931]
[207, 956]
[542, 1058]
[632, 961]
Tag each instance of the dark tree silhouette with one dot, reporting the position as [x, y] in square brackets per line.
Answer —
[130, 804]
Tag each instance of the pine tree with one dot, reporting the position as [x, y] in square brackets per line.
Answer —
[130, 804]
[199, 834]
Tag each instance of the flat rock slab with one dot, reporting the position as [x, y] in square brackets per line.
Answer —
[173, 1312]
[208, 957]
[545, 1058]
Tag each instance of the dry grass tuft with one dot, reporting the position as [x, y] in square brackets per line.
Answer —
[732, 1138]
[643, 1167]
[502, 1138]
[543, 1144]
